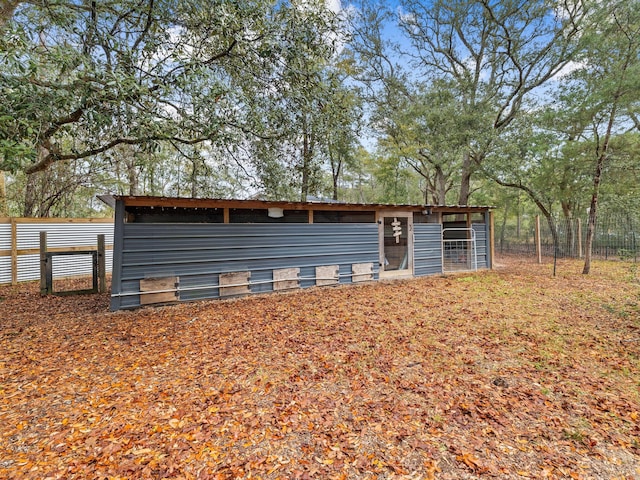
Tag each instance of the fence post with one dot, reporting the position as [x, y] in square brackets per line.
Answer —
[14, 251]
[45, 285]
[102, 281]
[538, 241]
[492, 240]
[579, 238]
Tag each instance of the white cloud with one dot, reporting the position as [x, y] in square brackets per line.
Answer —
[334, 5]
[569, 68]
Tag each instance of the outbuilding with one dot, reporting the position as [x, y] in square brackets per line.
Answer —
[184, 249]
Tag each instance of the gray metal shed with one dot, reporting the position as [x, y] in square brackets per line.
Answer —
[183, 249]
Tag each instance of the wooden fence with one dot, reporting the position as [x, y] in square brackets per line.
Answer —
[20, 246]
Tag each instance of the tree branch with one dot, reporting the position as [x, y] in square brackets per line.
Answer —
[52, 157]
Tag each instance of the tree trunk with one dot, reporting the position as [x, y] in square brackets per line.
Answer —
[308, 144]
[304, 186]
[194, 178]
[465, 181]
[597, 176]
[593, 214]
[567, 212]
[503, 227]
[441, 187]
[336, 168]
[30, 196]
[554, 232]
[132, 177]
[7, 8]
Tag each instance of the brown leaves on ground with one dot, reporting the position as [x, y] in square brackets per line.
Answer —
[507, 374]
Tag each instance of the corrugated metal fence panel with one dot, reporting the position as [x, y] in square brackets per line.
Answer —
[5, 237]
[427, 249]
[480, 230]
[5, 270]
[59, 235]
[28, 267]
[5, 249]
[199, 253]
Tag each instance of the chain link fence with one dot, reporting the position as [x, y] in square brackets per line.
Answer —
[616, 237]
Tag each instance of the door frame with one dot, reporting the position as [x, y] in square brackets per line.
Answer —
[380, 216]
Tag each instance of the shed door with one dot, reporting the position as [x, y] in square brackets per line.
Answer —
[396, 244]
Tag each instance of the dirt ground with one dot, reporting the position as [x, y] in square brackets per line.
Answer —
[510, 373]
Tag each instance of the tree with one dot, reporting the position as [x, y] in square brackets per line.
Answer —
[428, 129]
[7, 8]
[319, 113]
[494, 53]
[609, 83]
[80, 79]
[525, 159]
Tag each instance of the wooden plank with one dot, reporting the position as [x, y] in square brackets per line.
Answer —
[158, 285]
[537, 239]
[46, 279]
[33, 251]
[310, 216]
[286, 278]
[492, 240]
[225, 215]
[102, 268]
[238, 283]
[22, 220]
[14, 252]
[362, 272]
[327, 275]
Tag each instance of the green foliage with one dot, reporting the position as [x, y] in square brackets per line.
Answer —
[269, 98]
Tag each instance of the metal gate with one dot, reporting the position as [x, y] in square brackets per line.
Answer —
[459, 252]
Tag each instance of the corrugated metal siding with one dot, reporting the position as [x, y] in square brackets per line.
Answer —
[59, 235]
[427, 249]
[480, 230]
[5, 249]
[63, 234]
[199, 253]
[5, 237]
[5, 270]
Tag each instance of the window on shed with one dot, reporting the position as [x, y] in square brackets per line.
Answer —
[454, 218]
[477, 217]
[174, 215]
[421, 217]
[261, 215]
[336, 216]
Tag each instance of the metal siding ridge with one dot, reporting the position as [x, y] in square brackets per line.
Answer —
[155, 246]
[130, 273]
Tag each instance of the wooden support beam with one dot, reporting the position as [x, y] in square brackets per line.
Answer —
[538, 241]
[102, 270]
[579, 238]
[14, 252]
[492, 240]
[46, 272]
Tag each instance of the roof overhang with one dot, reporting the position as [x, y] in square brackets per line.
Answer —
[215, 203]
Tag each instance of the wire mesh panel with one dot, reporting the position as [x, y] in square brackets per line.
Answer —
[616, 236]
[459, 253]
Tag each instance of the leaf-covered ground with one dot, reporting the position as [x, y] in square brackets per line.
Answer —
[507, 374]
